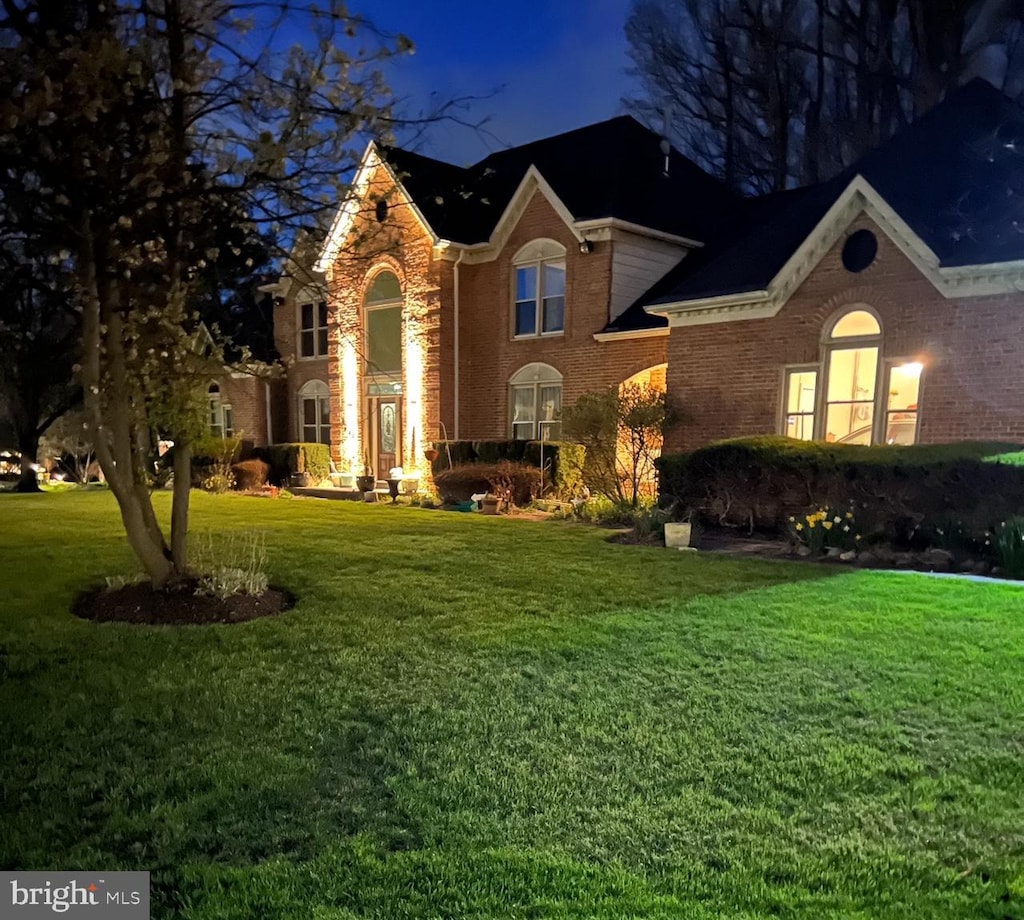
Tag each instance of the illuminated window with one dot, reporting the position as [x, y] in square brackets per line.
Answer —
[539, 307]
[536, 403]
[861, 400]
[219, 414]
[312, 330]
[801, 394]
[384, 326]
[315, 413]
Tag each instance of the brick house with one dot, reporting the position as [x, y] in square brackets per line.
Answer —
[473, 302]
[884, 305]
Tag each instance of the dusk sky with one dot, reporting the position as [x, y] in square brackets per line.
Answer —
[547, 66]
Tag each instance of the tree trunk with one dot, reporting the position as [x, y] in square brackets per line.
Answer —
[180, 506]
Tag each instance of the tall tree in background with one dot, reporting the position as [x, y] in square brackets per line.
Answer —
[133, 134]
[769, 94]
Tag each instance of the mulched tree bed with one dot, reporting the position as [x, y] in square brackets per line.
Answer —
[178, 605]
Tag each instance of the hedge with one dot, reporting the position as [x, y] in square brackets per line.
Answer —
[303, 457]
[761, 482]
[562, 459]
[250, 474]
[208, 450]
[460, 483]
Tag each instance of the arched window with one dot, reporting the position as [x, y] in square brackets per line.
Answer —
[384, 326]
[535, 394]
[221, 422]
[864, 399]
[852, 350]
[539, 307]
[315, 412]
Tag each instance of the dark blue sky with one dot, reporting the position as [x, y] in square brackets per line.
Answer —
[551, 65]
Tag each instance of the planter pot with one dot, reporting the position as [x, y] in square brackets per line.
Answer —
[677, 536]
[491, 505]
[299, 480]
[431, 454]
[366, 483]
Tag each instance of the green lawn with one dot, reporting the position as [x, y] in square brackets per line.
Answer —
[482, 717]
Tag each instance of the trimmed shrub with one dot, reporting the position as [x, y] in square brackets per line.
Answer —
[207, 451]
[460, 483]
[562, 461]
[894, 490]
[302, 457]
[250, 474]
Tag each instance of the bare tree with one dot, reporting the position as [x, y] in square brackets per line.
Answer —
[777, 93]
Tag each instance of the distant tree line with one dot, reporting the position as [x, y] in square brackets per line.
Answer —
[771, 94]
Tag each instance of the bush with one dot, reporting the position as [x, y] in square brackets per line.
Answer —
[460, 483]
[251, 474]
[1008, 543]
[304, 457]
[762, 482]
[562, 461]
[208, 451]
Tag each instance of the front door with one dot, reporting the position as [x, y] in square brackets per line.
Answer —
[388, 427]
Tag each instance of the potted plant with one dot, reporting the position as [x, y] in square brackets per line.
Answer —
[367, 481]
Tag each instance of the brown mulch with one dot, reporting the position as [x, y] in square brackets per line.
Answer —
[177, 605]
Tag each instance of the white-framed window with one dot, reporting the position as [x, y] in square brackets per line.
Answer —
[539, 300]
[853, 396]
[383, 305]
[315, 412]
[535, 396]
[219, 413]
[312, 330]
[800, 394]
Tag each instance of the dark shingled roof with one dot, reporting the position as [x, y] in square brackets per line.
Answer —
[956, 176]
[610, 169]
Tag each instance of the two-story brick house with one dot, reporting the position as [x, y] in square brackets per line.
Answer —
[883, 305]
[473, 302]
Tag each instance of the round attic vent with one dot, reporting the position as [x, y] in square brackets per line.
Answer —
[859, 251]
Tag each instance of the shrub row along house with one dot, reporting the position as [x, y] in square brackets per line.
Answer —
[471, 303]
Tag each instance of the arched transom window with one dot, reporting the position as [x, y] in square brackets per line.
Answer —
[315, 412]
[384, 326]
[535, 393]
[539, 308]
[862, 399]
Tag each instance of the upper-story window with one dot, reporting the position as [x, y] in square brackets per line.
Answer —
[861, 399]
[539, 289]
[312, 330]
[221, 422]
[384, 325]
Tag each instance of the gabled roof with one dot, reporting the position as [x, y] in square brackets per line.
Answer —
[955, 177]
[613, 169]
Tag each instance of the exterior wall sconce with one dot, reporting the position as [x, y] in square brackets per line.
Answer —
[586, 246]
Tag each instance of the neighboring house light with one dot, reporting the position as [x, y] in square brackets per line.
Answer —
[221, 424]
[315, 412]
[862, 400]
[312, 330]
[539, 307]
[535, 396]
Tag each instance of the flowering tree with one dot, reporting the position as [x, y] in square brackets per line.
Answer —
[136, 136]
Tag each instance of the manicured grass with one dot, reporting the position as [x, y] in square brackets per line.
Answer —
[480, 717]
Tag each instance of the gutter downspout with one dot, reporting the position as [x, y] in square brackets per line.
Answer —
[462, 253]
[270, 424]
